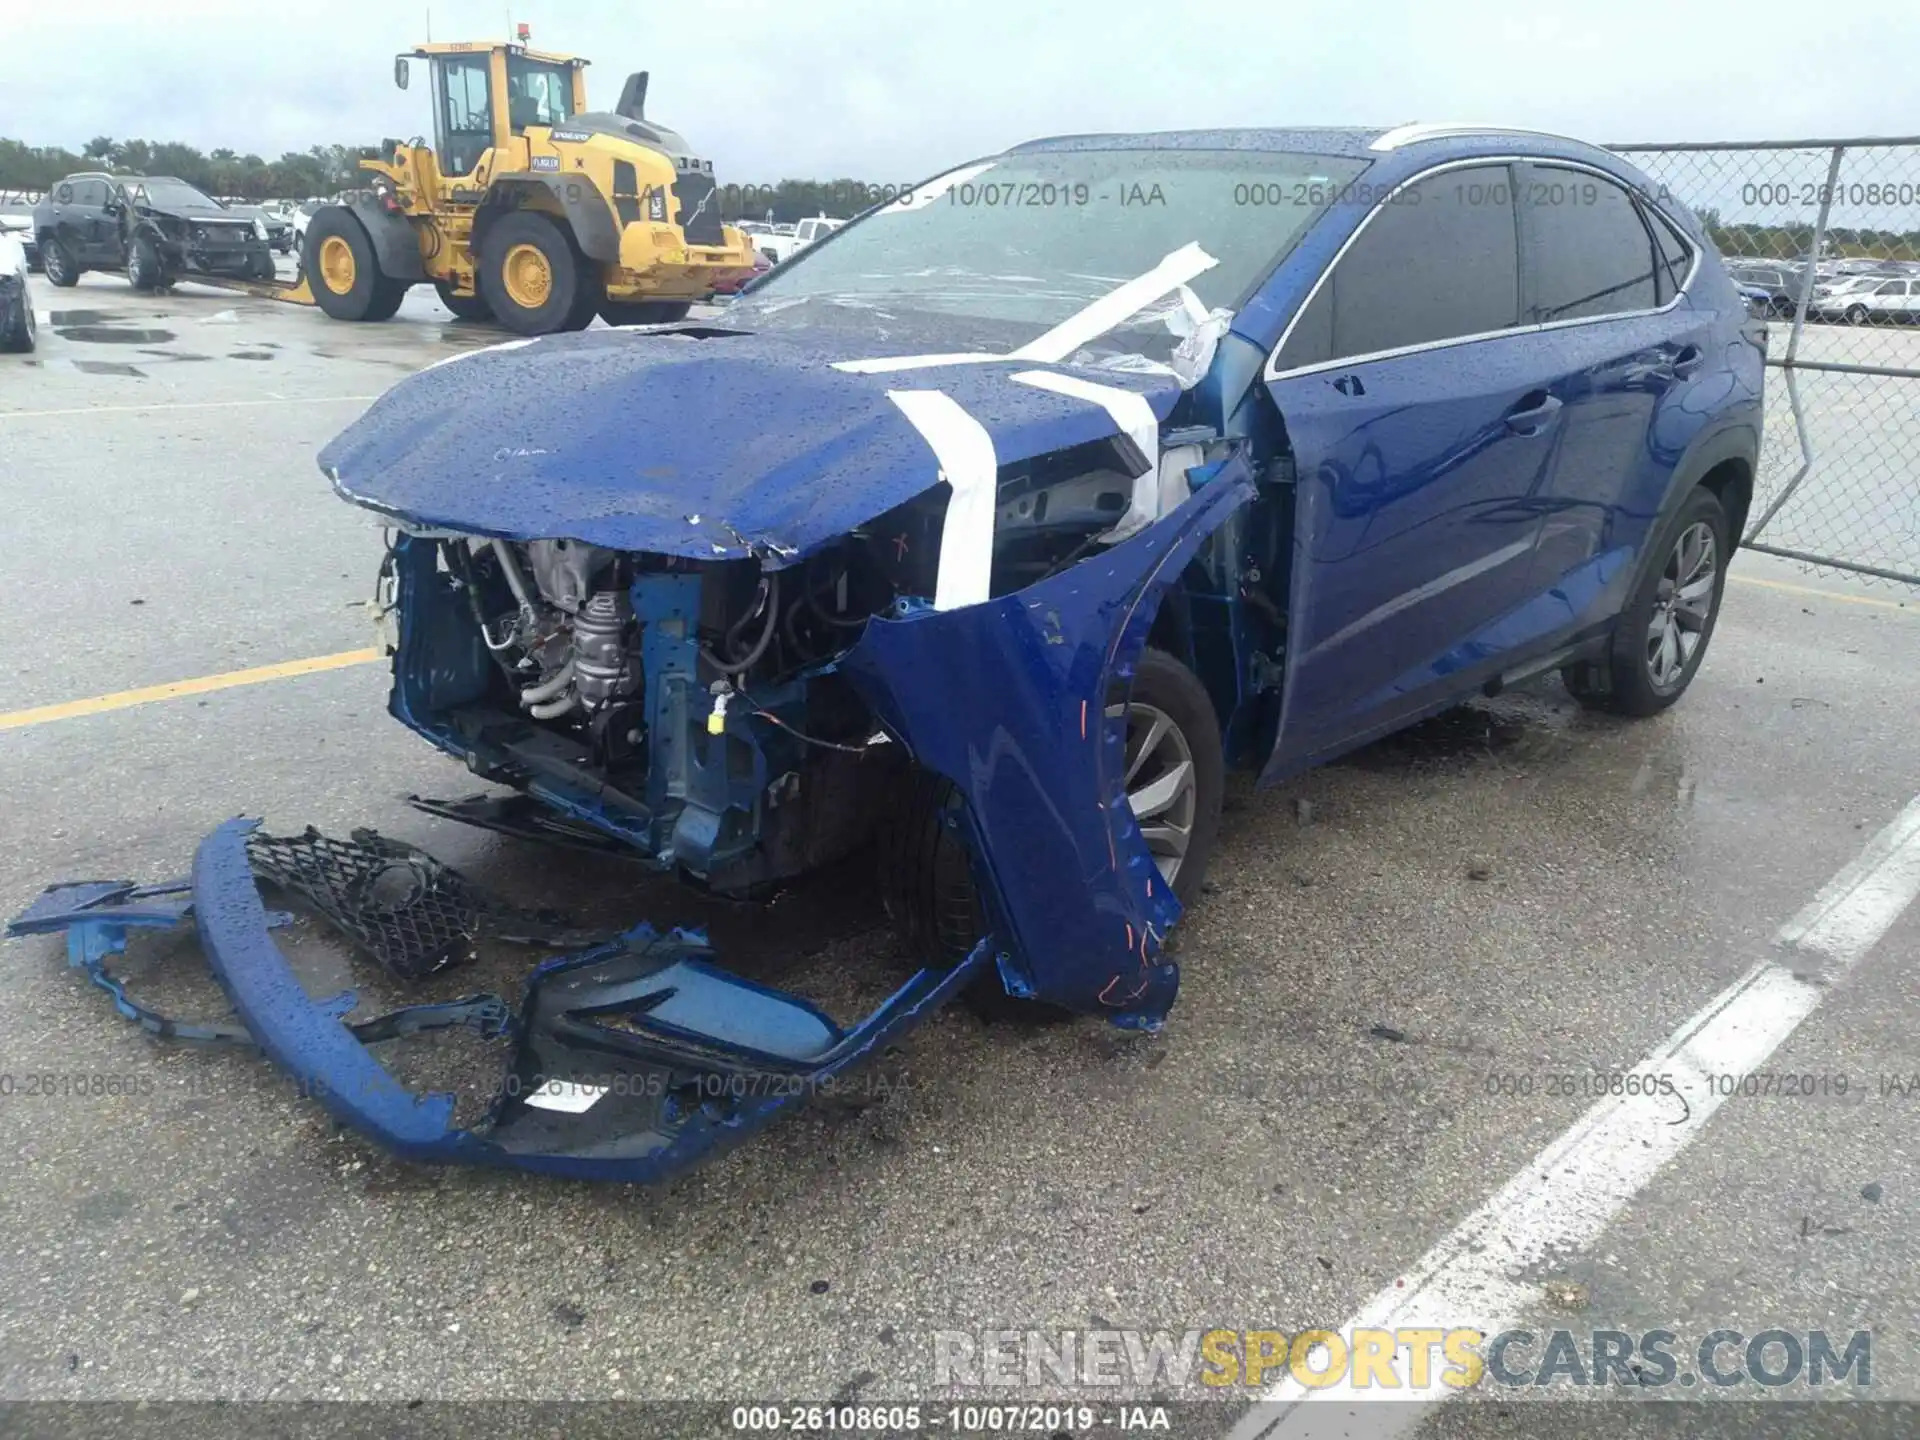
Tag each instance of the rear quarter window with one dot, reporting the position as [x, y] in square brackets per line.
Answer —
[1588, 251]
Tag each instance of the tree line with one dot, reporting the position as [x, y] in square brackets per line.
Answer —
[328, 169]
[1793, 241]
[294, 176]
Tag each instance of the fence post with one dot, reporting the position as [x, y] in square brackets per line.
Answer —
[1813, 253]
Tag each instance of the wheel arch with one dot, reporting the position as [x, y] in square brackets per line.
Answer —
[574, 200]
[1725, 460]
[396, 249]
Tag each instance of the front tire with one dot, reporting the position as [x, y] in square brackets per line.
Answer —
[1856, 315]
[1661, 635]
[57, 262]
[145, 272]
[644, 312]
[342, 271]
[533, 278]
[1175, 774]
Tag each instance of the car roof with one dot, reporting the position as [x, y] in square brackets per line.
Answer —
[1360, 142]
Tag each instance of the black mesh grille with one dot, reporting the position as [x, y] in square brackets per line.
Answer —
[408, 911]
[699, 208]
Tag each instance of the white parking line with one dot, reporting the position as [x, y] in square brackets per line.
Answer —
[191, 405]
[1569, 1194]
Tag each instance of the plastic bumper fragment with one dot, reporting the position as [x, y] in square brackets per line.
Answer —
[632, 1060]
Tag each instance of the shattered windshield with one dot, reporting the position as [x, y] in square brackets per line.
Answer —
[1020, 243]
[171, 195]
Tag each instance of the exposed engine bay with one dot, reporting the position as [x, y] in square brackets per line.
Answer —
[694, 709]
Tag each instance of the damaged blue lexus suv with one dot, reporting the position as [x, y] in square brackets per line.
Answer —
[996, 526]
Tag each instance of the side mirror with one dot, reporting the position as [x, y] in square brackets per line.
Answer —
[402, 72]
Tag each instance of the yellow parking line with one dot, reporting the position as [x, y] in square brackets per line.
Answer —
[146, 695]
[1824, 594]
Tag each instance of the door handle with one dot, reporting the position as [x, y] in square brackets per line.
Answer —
[1690, 359]
[1531, 415]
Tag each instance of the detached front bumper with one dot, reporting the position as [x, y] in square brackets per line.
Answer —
[631, 1060]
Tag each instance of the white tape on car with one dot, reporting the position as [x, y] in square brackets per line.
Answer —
[1084, 326]
[888, 364]
[964, 451]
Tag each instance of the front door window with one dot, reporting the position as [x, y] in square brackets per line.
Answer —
[466, 114]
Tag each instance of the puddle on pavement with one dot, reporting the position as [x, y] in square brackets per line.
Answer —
[111, 335]
[250, 355]
[108, 367]
[175, 355]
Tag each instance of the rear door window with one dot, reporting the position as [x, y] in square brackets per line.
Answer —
[1437, 261]
[1588, 251]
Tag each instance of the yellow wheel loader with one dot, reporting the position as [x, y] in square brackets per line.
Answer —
[528, 208]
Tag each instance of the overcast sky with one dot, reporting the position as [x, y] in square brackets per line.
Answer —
[892, 92]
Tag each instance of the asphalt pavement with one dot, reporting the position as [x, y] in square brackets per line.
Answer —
[1397, 956]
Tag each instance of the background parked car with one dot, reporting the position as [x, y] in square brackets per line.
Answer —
[16, 298]
[761, 265]
[1869, 299]
[302, 216]
[783, 242]
[17, 220]
[1779, 283]
[279, 228]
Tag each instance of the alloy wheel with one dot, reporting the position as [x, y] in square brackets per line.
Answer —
[1682, 606]
[1160, 783]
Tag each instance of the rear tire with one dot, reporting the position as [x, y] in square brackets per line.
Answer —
[644, 312]
[464, 307]
[533, 278]
[58, 264]
[927, 875]
[1662, 633]
[342, 271]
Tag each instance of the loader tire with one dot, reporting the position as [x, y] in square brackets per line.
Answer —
[644, 312]
[342, 271]
[464, 307]
[533, 277]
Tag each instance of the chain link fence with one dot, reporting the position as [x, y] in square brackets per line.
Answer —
[1828, 231]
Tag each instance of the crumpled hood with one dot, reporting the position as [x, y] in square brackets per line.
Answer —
[689, 440]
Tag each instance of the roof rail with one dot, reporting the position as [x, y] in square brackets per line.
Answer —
[1429, 130]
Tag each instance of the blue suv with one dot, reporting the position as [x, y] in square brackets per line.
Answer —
[993, 527]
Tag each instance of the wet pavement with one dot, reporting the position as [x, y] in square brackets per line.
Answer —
[1389, 948]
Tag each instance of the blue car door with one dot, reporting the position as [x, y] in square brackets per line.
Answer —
[1604, 275]
[1423, 432]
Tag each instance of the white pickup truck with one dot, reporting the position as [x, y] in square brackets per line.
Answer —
[783, 242]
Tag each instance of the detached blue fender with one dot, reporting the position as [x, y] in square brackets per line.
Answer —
[1006, 699]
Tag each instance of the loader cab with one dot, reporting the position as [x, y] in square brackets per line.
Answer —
[463, 111]
[484, 95]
